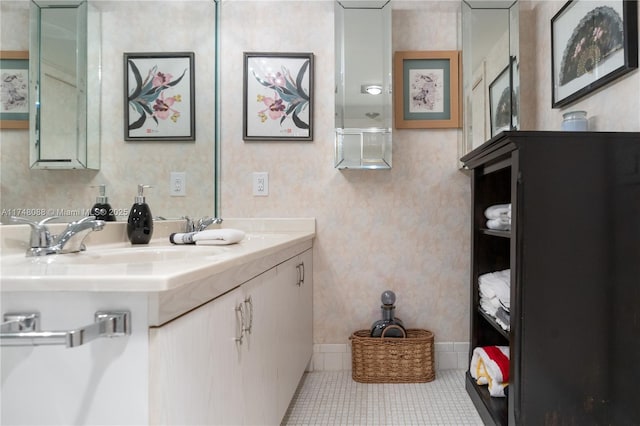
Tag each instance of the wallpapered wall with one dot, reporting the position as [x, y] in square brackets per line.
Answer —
[145, 26]
[405, 229]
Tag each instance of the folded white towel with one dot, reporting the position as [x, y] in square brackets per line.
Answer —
[490, 366]
[498, 210]
[218, 236]
[503, 324]
[490, 305]
[496, 284]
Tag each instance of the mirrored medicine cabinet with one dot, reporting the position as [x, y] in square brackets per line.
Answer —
[363, 99]
[64, 85]
[490, 57]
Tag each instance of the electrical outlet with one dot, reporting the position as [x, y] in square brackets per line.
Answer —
[178, 184]
[261, 184]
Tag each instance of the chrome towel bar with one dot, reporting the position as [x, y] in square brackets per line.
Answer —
[23, 329]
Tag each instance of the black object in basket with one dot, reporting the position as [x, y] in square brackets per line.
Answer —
[392, 360]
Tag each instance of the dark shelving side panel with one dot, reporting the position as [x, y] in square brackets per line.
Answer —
[493, 411]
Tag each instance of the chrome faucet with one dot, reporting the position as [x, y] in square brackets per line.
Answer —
[200, 224]
[42, 242]
[189, 226]
[204, 222]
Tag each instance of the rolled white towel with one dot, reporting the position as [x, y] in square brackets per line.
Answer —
[216, 237]
[497, 211]
[499, 224]
[490, 366]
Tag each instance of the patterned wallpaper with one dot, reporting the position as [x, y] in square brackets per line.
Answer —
[405, 229]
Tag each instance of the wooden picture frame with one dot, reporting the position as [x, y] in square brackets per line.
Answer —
[159, 97]
[592, 44]
[426, 87]
[14, 98]
[277, 96]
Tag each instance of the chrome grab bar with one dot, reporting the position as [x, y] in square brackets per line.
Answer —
[23, 329]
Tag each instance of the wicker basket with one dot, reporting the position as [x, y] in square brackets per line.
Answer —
[392, 360]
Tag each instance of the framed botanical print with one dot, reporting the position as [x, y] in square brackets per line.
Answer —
[14, 96]
[426, 89]
[159, 97]
[278, 97]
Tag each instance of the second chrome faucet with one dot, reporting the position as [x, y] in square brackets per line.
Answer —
[200, 224]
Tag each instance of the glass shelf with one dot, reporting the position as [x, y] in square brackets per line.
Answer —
[363, 148]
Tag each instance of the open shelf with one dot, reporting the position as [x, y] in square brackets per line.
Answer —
[496, 233]
[493, 323]
[492, 410]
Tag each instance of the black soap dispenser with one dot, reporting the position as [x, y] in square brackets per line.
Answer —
[102, 209]
[140, 223]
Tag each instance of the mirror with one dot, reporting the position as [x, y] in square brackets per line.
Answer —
[363, 64]
[490, 72]
[64, 125]
[37, 193]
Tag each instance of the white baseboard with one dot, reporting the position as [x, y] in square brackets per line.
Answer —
[335, 357]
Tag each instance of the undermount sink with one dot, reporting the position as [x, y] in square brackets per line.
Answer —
[133, 254]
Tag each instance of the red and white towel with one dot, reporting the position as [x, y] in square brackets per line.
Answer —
[490, 366]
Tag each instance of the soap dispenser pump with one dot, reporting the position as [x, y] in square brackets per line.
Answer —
[140, 223]
[102, 209]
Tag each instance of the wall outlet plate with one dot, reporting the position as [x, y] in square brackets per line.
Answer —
[178, 184]
[260, 184]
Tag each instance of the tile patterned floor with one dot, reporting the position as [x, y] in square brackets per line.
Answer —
[333, 398]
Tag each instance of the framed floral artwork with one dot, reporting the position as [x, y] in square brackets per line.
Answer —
[278, 97]
[159, 96]
[592, 44]
[14, 94]
[426, 89]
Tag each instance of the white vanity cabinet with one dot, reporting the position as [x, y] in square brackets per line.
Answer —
[183, 363]
[238, 358]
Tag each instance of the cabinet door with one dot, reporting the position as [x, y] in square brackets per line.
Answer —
[258, 350]
[195, 375]
[295, 347]
[304, 324]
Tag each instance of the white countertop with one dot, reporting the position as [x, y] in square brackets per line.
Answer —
[174, 278]
[180, 265]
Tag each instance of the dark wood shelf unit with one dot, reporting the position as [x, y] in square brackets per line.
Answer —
[496, 411]
[573, 254]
